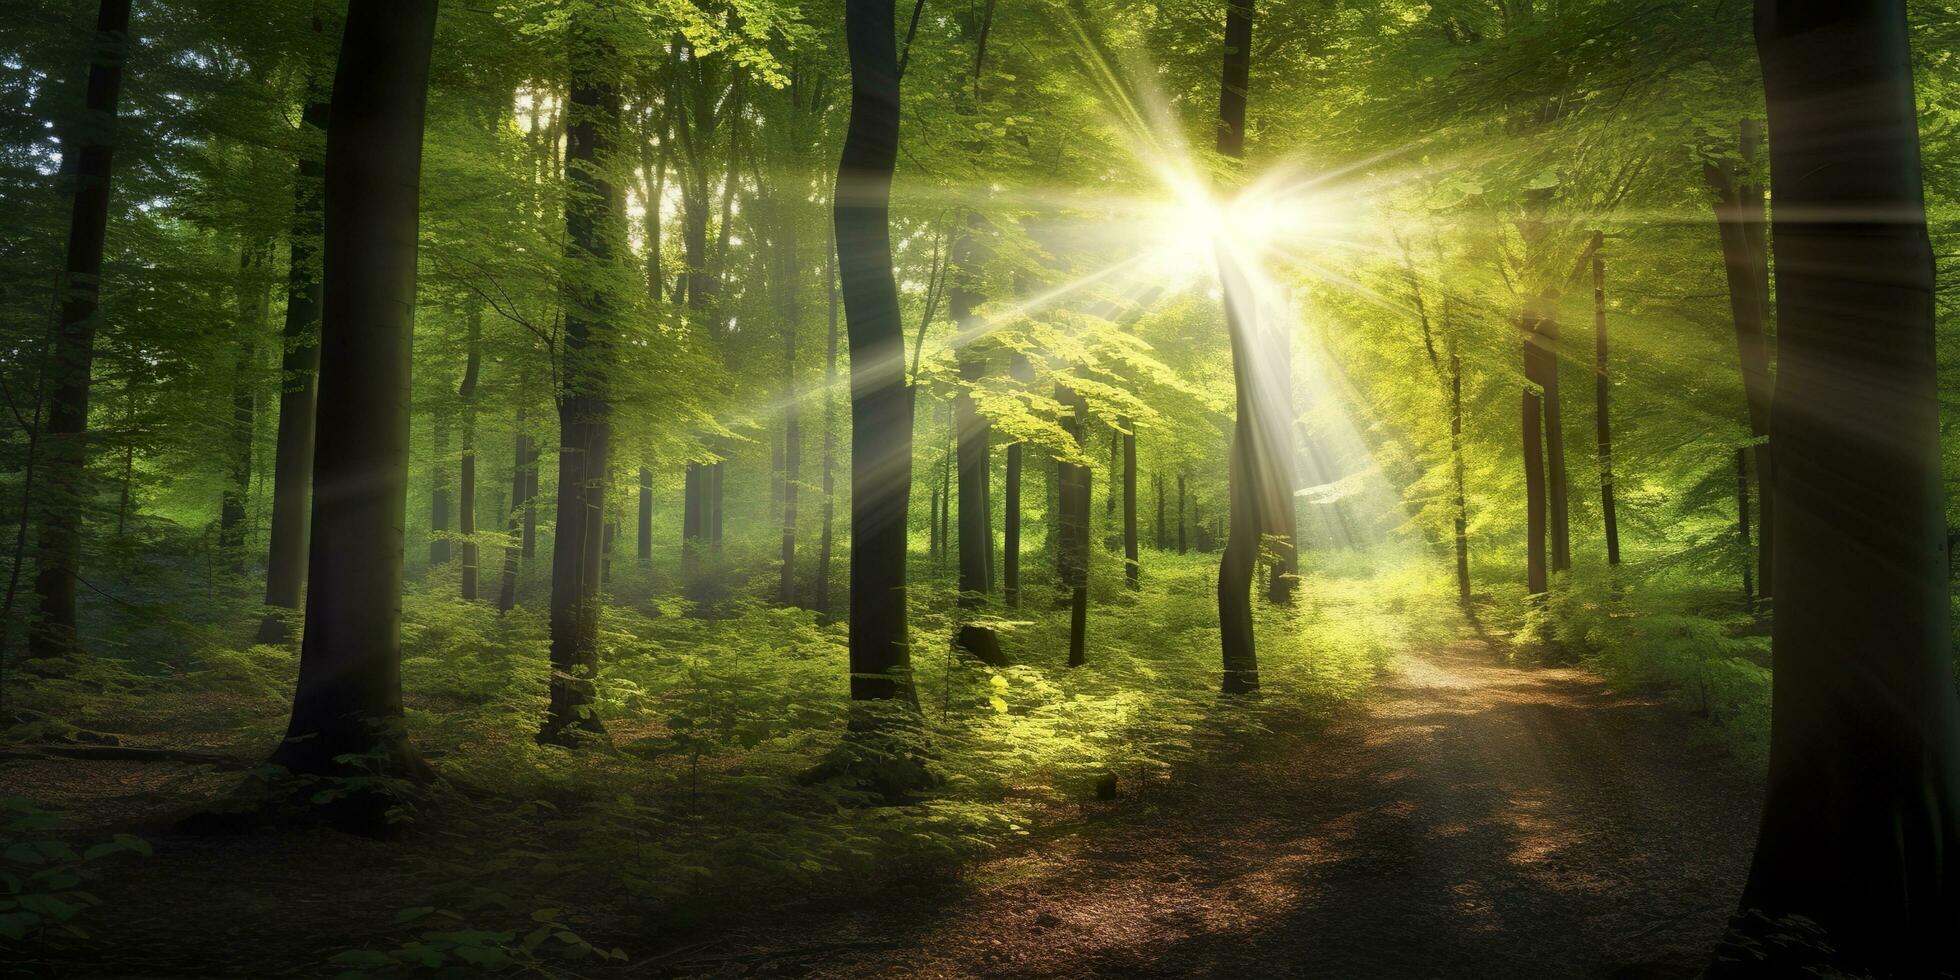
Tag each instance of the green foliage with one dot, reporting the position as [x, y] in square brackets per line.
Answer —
[44, 875]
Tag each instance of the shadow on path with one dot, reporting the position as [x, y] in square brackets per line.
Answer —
[1470, 820]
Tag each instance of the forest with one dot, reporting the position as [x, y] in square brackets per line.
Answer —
[979, 488]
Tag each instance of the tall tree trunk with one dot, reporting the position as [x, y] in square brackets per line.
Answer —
[1162, 530]
[881, 401]
[439, 490]
[1076, 495]
[1022, 370]
[348, 701]
[1534, 456]
[252, 309]
[584, 405]
[1602, 403]
[824, 535]
[1260, 473]
[643, 552]
[64, 435]
[1132, 565]
[466, 485]
[1740, 219]
[1859, 830]
[292, 466]
[1182, 546]
[973, 433]
[524, 462]
[1742, 523]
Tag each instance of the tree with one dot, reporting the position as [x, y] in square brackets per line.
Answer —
[881, 401]
[1745, 261]
[348, 701]
[592, 211]
[299, 364]
[1862, 818]
[58, 558]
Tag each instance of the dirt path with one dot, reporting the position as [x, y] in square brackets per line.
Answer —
[1472, 820]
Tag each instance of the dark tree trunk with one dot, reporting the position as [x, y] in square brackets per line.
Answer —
[524, 461]
[643, 551]
[1161, 530]
[348, 701]
[881, 401]
[1076, 496]
[1132, 565]
[1859, 830]
[292, 466]
[824, 535]
[790, 311]
[973, 434]
[1740, 219]
[64, 435]
[1534, 457]
[439, 492]
[584, 405]
[1742, 523]
[252, 310]
[466, 486]
[1022, 370]
[1183, 547]
[1260, 472]
[1602, 403]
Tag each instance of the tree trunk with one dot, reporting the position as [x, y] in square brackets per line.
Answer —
[466, 486]
[1161, 530]
[584, 405]
[1022, 370]
[1076, 496]
[973, 433]
[1182, 546]
[824, 536]
[348, 700]
[524, 461]
[58, 557]
[292, 466]
[881, 401]
[1859, 829]
[439, 491]
[1741, 222]
[1132, 565]
[644, 550]
[1742, 523]
[1534, 457]
[1602, 396]
[1236, 569]
[252, 310]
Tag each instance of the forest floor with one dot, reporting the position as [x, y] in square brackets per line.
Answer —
[1469, 819]
[1466, 818]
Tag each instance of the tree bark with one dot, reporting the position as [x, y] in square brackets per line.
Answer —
[292, 466]
[643, 551]
[466, 485]
[64, 434]
[1742, 523]
[1859, 830]
[251, 303]
[348, 700]
[439, 550]
[1740, 220]
[1132, 565]
[1022, 370]
[1076, 495]
[1236, 569]
[1602, 404]
[524, 462]
[584, 406]
[824, 535]
[881, 401]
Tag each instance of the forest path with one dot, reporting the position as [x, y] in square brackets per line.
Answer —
[1469, 819]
